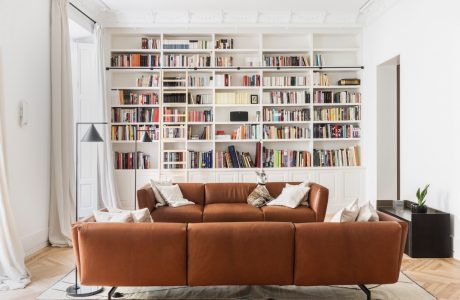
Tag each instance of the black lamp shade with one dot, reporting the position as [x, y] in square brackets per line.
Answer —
[146, 138]
[92, 135]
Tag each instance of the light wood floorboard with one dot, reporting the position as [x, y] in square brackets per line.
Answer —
[440, 277]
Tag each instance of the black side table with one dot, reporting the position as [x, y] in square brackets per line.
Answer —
[429, 233]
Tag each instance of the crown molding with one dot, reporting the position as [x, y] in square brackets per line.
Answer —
[372, 10]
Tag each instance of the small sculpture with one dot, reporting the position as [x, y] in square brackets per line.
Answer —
[261, 177]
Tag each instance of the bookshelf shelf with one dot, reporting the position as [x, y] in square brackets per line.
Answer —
[180, 89]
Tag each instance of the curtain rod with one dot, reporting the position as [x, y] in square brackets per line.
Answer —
[230, 68]
[89, 18]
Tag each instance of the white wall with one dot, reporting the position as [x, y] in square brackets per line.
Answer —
[25, 43]
[426, 36]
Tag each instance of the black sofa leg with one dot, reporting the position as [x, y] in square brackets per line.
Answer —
[366, 291]
[113, 294]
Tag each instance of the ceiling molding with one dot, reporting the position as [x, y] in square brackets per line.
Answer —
[374, 9]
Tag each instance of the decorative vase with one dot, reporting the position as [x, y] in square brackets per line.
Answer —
[419, 209]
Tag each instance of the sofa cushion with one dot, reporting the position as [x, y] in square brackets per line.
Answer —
[182, 214]
[299, 214]
[275, 188]
[227, 192]
[231, 212]
[193, 192]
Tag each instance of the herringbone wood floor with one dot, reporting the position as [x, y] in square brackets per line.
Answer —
[440, 277]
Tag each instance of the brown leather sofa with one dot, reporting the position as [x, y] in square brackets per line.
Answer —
[227, 202]
[244, 253]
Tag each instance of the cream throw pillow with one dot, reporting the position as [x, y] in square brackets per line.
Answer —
[173, 195]
[158, 197]
[347, 214]
[367, 213]
[291, 196]
[117, 217]
[305, 199]
[139, 216]
[259, 196]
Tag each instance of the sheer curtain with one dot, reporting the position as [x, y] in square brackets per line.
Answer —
[13, 273]
[105, 170]
[62, 202]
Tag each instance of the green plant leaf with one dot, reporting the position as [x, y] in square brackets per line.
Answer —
[418, 193]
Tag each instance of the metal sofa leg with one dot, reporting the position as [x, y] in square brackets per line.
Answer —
[113, 294]
[366, 291]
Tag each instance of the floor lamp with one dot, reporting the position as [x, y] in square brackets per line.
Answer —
[91, 136]
[145, 139]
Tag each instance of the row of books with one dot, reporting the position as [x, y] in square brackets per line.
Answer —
[246, 132]
[200, 80]
[180, 60]
[174, 98]
[178, 156]
[320, 79]
[234, 159]
[200, 160]
[200, 116]
[200, 99]
[224, 61]
[148, 81]
[336, 97]
[285, 132]
[285, 158]
[206, 134]
[348, 157]
[233, 98]
[174, 81]
[336, 131]
[126, 160]
[150, 43]
[286, 81]
[223, 79]
[186, 44]
[174, 132]
[286, 97]
[128, 132]
[173, 115]
[319, 60]
[285, 115]
[338, 114]
[135, 115]
[135, 60]
[286, 61]
[128, 97]
[224, 44]
[251, 80]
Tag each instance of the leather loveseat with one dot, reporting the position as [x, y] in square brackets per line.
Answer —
[227, 202]
[243, 253]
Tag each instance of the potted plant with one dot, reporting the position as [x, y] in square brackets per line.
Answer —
[420, 206]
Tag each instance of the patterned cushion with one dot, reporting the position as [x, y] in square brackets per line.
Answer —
[259, 196]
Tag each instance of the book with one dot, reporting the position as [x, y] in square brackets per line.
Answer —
[349, 81]
[233, 156]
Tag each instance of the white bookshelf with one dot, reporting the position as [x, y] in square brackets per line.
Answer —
[342, 59]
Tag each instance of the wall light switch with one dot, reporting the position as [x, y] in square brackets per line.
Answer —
[23, 113]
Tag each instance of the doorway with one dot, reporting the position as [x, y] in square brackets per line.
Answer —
[388, 130]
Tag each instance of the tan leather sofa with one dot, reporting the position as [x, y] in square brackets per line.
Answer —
[243, 253]
[227, 202]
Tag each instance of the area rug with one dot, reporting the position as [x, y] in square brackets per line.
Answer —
[405, 289]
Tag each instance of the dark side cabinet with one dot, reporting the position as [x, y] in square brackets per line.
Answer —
[428, 234]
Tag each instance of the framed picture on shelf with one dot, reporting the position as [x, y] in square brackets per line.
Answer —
[254, 99]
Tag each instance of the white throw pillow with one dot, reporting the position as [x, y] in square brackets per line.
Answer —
[367, 213]
[158, 197]
[305, 199]
[291, 196]
[139, 216]
[347, 214]
[118, 217]
[173, 195]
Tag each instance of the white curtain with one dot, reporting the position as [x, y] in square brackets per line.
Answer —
[106, 178]
[62, 203]
[13, 273]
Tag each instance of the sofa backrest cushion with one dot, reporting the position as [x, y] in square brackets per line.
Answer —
[243, 253]
[193, 192]
[228, 192]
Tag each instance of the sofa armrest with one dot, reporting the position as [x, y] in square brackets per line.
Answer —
[318, 197]
[146, 198]
[405, 228]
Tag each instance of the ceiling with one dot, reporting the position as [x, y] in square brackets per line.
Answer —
[136, 13]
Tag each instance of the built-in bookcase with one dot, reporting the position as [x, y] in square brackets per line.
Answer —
[184, 86]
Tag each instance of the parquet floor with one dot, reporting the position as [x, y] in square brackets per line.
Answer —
[440, 277]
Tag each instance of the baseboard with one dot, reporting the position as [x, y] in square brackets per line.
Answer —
[35, 241]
